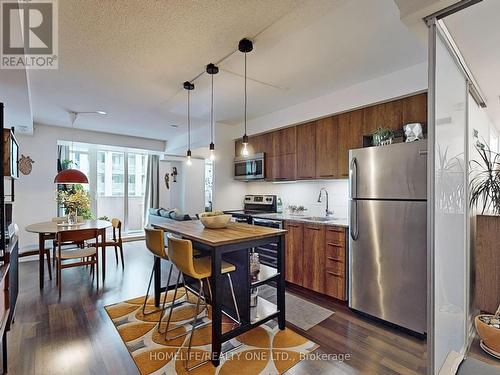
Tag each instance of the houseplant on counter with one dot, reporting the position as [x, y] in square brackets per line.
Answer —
[485, 200]
[74, 201]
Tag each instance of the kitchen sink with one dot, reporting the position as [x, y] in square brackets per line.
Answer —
[320, 218]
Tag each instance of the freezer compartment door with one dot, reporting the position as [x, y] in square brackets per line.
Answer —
[388, 262]
[397, 171]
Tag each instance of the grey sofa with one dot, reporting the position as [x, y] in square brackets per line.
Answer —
[163, 215]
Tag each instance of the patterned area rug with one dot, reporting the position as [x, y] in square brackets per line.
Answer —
[263, 350]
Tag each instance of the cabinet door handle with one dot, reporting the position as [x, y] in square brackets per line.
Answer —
[313, 228]
[335, 230]
[334, 244]
[335, 274]
[326, 175]
[335, 259]
[293, 225]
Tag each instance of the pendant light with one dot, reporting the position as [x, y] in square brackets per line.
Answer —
[245, 46]
[188, 86]
[74, 176]
[212, 70]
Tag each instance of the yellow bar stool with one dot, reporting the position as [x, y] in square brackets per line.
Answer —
[180, 252]
[155, 243]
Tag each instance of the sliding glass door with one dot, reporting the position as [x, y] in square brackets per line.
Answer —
[448, 205]
[117, 181]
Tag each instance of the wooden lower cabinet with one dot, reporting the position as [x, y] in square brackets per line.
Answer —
[293, 252]
[316, 257]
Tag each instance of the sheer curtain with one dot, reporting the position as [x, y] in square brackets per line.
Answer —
[151, 196]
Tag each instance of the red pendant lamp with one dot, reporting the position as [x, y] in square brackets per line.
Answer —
[71, 176]
[74, 176]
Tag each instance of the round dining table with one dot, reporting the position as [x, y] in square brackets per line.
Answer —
[48, 230]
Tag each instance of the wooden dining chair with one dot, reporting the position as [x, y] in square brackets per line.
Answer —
[58, 220]
[77, 256]
[116, 241]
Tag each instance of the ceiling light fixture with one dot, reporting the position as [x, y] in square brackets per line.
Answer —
[188, 86]
[212, 70]
[245, 46]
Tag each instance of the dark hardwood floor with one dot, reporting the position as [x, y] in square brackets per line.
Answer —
[75, 336]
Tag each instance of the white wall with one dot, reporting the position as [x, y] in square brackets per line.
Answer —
[164, 193]
[394, 85]
[306, 194]
[35, 193]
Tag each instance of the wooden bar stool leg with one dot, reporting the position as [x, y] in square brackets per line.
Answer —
[49, 265]
[121, 254]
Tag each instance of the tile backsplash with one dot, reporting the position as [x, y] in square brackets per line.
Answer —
[306, 193]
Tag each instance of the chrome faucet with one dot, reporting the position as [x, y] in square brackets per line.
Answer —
[328, 212]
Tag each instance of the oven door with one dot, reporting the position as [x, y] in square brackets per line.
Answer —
[249, 169]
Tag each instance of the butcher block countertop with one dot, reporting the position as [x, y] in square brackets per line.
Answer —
[235, 232]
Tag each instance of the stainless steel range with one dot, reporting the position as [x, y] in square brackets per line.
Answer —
[254, 211]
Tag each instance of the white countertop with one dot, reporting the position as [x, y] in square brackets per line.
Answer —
[341, 222]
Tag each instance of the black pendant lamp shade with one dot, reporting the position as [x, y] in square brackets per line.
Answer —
[188, 86]
[245, 46]
[212, 70]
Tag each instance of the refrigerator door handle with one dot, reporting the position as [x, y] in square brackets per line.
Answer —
[353, 225]
[353, 177]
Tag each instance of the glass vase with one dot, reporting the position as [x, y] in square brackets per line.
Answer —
[72, 217]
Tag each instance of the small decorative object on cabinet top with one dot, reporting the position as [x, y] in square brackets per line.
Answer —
[382, 137]
[296, 210]
[413, 132]
[25, 164]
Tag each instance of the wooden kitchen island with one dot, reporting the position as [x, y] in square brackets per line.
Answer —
[234, 245]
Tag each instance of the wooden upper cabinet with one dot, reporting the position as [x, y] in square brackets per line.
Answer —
[306, 151]
[415, 109]
[314, 257]
[326, 147]
[294, 252]
[386, 115]
[284, 158]
[284, 141]
[350, 136]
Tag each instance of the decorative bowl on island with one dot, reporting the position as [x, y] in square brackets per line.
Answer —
[214, 220]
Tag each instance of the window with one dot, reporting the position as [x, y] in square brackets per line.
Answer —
[116, 182]
[209, 183]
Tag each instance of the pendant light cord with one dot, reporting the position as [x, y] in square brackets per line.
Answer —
[212, 113]
[245, 93]
[189, 120]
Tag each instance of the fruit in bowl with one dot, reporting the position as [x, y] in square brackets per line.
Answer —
[215, 219]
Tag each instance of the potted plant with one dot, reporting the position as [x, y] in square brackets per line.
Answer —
[488, 328]
[73, 201]
[382, 136]
[485, 199]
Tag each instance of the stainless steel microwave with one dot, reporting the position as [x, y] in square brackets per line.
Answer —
[249, 167]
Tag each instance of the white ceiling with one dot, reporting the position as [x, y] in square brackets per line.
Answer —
[476, 31]
[130, 58]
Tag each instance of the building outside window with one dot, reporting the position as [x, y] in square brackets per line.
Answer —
[116, 182]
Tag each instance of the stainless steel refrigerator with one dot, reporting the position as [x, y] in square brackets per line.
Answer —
[388, 233]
